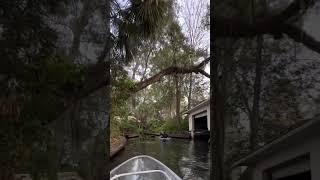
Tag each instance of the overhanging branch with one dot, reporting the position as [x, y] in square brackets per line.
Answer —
[172, 70]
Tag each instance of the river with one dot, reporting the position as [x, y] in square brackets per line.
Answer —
[188, 159]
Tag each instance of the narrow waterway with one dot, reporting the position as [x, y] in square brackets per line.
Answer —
[188, 159]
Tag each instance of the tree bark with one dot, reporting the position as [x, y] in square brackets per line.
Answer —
[102, 140]
[78, 26]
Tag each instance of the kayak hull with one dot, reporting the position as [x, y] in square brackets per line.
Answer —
[143, 167]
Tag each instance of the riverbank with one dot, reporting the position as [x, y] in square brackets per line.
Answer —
[116, 145]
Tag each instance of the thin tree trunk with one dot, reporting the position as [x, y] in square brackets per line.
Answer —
[255, 115]
[176, 79]
[254, 119]
[190, 90]
[178, 97]
[133, 97]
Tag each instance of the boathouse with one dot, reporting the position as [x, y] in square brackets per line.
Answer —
[293, 156]
[199, 119]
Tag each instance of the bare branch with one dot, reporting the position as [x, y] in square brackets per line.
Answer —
[201, 71]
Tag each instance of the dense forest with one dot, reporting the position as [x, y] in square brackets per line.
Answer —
[165, 77]
[74, 72]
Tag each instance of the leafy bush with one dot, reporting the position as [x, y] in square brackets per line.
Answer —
[171, 125]
[154, 125]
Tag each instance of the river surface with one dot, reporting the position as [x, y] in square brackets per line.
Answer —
[188, 159]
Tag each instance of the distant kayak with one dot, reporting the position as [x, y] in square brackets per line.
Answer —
[142, 168]
[164, 139]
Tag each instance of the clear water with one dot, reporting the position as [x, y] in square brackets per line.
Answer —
[188, 159]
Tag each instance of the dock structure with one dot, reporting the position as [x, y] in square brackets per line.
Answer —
[199, 120]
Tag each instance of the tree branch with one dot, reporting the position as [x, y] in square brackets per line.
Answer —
[201, 71]
[203, 63]
[172, 70]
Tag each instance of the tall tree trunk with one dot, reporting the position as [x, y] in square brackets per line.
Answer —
[254, 117]
[102, 141]
[178, 97]
[190, 90]
[222, 69]
[216, 126]
[133, 97]
[216, 141]
[176, 80]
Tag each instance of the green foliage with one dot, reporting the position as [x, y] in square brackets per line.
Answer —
[172, 126]
[121, 90]
[154, 125]
[153, 106]
[150, 16]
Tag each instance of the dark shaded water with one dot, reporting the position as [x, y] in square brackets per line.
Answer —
[188, 159]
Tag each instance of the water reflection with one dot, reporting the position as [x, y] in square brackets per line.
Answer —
[188, 159]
